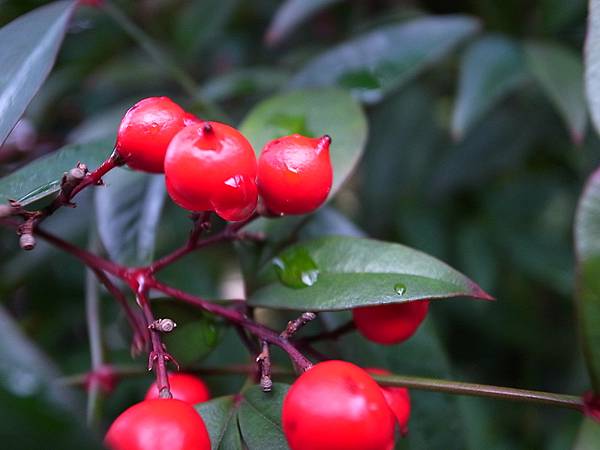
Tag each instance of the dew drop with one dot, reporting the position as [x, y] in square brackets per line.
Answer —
[295, 268]
[400, 288]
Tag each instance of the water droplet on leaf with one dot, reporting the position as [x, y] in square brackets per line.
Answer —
[400, 288]
[295, 268]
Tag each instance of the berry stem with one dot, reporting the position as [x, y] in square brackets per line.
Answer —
[482, 390]
[294, 325]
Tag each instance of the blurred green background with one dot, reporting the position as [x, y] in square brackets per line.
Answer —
[493, 195]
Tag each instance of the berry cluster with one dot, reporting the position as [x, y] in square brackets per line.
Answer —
[210, 166]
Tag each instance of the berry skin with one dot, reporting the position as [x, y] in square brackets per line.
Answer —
[390, 324]
[211, 167]
[158, 425]
[146, 131]
[295, 174]
[398, 399]
[185, 387]
[337, 406]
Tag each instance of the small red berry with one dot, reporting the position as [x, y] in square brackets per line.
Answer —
[392, 323]
[295, 174]
[398, 399]
[191, 119]
[146, 131]
[186, 387]
[212, 167]
[158, 425]
[337, 406]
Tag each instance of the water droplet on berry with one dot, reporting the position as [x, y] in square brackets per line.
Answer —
[295, 268]
[400, 288]
[234, 181]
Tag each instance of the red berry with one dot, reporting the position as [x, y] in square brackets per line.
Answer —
[146, 131]
[185, 387]
[191, 119]
[158, 425]
[337, 406]
[392, 323]
[295, 174]
[398, 399]
[212, 167]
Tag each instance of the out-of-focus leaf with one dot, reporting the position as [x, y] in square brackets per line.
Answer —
[103, 125]
[592, 62]
[329, 222]
[196, 334]
[290, 15]
[128, 211]
[589, 435]
[312, 113]
[41, 178]
[559, 72]
[490, 69]
[30, 45]
[339, 273]
[250, 420]
[587, 247]
[375, 63]
[257, 80]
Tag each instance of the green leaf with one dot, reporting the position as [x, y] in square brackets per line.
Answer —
[260, 418]
[313, 113]
[290, 15]
[587, 247]
[220, 418]
[128, 211]
[373, 64]
[30, 45]
[588, 437]
[196, 334]
[559, 72]
[490, 69]
[41, 178]
[592, 62]
[352, 272]
[243, 82]
[250, 420]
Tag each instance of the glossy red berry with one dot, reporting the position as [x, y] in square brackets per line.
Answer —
[186, 387]
[390, 324]
[211, 167]
[295, 174]
[337, 406]
[146, 131]
[398, 399]
[158, 425]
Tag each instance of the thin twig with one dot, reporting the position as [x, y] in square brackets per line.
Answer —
[92, 309]
[294, 325]
[264, 363]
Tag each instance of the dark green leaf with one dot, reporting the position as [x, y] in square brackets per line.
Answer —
[313, 113]
[589, 435]
[196, 334]
[291, 14]
[587, 246]
[252, 417]
[220, 418]
[128, 211]
[352, 272]
[490, 69]
[30, 45]
[559, 72]
[592, 63]
[260, 418]
[373, 64]
[41, 178]
[256, 80]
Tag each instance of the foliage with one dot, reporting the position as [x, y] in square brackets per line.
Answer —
[459, 131]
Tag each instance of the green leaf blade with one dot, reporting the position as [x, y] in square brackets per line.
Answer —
[355, 272]
[559, 71]
[592, 62]
[35, 39]
[373, 64]
[41, 178]
[490, 69]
